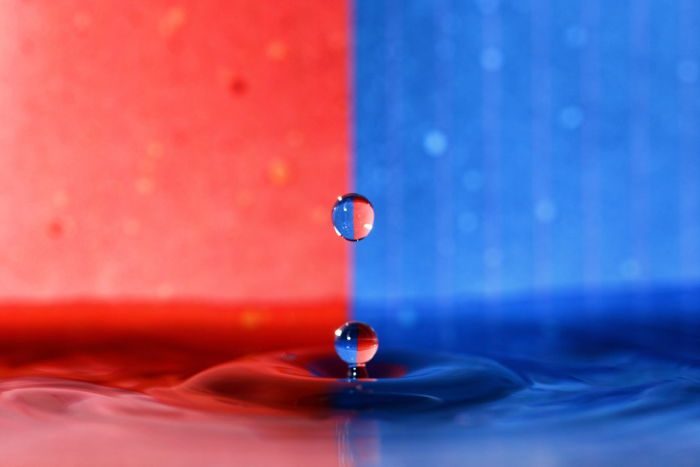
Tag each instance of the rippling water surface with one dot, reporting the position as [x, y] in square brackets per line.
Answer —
[623, 392]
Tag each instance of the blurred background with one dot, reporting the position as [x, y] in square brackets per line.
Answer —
[172, 165]
[533, 159]
[168, 169]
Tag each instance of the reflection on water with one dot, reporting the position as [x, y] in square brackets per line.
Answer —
[624, 390]
[314, 382]
[616, 410]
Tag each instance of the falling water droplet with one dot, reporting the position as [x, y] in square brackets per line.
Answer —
[356, 343]
[353, 217]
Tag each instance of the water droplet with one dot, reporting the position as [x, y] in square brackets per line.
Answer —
[356, 343]
[353, 217]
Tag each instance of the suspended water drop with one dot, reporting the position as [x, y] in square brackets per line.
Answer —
[353, 217]
[356, 343]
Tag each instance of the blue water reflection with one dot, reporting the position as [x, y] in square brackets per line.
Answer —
[612, 379]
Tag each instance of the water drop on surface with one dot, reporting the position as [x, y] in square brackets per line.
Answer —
[356, 344]
[353, 217]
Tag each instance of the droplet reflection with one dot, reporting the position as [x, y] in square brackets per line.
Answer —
[356, 344]
[353, 217]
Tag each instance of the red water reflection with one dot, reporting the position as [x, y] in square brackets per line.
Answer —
[49, 422]
[76, 377]
[138, 345]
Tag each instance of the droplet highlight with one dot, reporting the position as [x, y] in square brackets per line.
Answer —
[353, 217]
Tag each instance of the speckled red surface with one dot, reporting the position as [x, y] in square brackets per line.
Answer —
[164, 149]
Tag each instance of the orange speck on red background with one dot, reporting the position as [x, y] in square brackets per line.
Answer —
[115, 118]
[167, 172]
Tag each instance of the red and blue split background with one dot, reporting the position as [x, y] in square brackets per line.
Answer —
[169, 168]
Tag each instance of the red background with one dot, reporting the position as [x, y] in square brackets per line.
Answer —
[168, 171]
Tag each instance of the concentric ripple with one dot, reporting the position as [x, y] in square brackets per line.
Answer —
[313, 380]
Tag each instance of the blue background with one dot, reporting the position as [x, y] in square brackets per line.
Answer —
[525, 158]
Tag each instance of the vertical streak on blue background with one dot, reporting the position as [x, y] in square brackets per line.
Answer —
[465, 147]
[591, 159]
[689, 125]
[543, 206]
[663, 138]
[438, 142]
[421, 154]
[515, 198]
[567, 159]
[491, 62]
[542, 141]
[466, 143]
[590, 171]
[393, 249]
[688, 122]
[638, 267]
[616, 251]
[516, 148]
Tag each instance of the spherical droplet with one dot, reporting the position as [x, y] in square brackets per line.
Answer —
[353, 217]
[356, 343]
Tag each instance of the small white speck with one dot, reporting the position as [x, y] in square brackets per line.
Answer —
[575, 36]
[571, 117]
[367, 226]
[435, 142]
[337, 232]
[545, 211]
[491, 59]
[687, 71]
